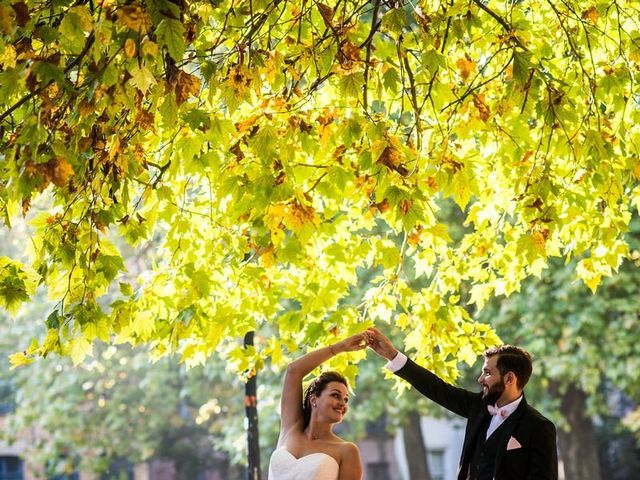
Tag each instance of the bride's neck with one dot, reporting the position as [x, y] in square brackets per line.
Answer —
[318, 430]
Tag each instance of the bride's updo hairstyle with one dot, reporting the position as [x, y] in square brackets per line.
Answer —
[315, 388]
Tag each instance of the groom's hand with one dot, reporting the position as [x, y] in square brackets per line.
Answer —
[380, 344]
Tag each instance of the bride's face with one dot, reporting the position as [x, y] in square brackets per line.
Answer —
[332, 402]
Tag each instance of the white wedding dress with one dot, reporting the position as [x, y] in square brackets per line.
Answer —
[315, 466]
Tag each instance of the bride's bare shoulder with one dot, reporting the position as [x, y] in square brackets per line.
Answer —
[349, 450]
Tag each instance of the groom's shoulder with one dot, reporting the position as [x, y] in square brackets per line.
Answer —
[534, 416]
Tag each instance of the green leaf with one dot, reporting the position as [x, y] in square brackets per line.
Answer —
[433, 60]
[109, 266]
[222, 131]
[170, 33]
[351, 85]
[394, 20]
[169, 110]
[521, 66]
[126, 289]
[49, 72]
[11, 82]
[72, 32]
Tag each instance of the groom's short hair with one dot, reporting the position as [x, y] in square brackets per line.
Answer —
[512, 359]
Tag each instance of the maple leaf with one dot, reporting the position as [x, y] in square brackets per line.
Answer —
[8, 57]
[134, 17]
[7, 19]
[62, 171]
[350, 54]
[171, 33]
[327, 14]
[482, 108]
[466, 67]
[187, 85]
[591, 14]
[392, 159]
[130, 48]
[195, 131]
[79, 349]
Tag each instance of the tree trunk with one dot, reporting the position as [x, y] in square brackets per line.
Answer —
[577, 447]
[251, 410]
[415, 448]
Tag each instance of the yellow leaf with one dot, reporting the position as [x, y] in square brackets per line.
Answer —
[277, 358]
[130, 48]
[19, 359]
[466, 67]
[587, 272]
[268, 258]
[591, 15]
[402, 320]
[50, 342]
[440, 231]
[414, 339]
[277, 236]
[143, 324]
[142, 78]
[102, 330]
[215, 332]
[149, 48]
[192, 355]
[466, 354]
[462, 192]
[239, 79]
[62, 171]
[539, 240]
[378, 147]
[80, 347]
[298, 215]
[8, 57]
[7, 19]
[134, 17]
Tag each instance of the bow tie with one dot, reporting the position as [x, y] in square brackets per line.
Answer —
[497, 411]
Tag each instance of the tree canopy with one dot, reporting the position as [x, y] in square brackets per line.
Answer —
[276, 151]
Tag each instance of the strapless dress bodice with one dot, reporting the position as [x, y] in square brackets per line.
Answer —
[315, 466]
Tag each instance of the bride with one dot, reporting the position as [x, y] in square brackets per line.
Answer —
[307, 447]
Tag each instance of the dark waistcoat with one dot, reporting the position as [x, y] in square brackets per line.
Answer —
[483, 459]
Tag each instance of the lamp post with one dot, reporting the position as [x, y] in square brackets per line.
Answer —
[251, 411]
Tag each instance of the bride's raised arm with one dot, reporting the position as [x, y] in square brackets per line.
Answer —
[291, 399]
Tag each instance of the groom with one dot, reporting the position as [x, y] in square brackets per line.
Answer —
[505, 438]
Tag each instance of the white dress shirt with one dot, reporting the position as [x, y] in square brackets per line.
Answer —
[502, 414]
[396, 363]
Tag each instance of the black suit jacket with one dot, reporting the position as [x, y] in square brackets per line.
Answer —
[535, 460]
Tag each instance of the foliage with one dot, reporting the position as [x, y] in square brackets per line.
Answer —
[576, 337]
[118, 406]
[277, 150]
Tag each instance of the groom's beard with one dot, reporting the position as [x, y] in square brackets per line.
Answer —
[492, 395]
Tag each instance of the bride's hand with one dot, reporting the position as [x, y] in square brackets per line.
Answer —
[350, 344]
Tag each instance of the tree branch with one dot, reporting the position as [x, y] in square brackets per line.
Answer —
[368, 42]
[507, 27]
[73, 64]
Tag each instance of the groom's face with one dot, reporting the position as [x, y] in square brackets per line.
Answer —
[492, 382]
